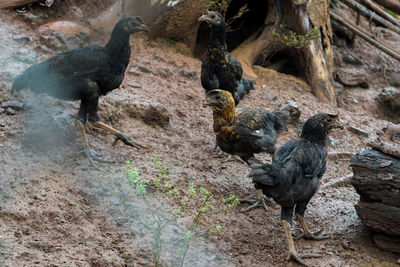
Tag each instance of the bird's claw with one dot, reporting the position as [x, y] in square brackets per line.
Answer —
[127, 141]
[293, 256]
[94, 156]
[262, 202]
[312, 236]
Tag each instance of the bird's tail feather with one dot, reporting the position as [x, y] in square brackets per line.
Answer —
[19, 83]
[262, 173]
[244, 87]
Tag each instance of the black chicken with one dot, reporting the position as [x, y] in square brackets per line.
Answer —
[218, 69]
[247, 130]
[86, 74]
[293, 177]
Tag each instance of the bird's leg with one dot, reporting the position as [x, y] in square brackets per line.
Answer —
[120, 136]
[292, 251]
[300, 210]
[286, 218]
[90, 155]
[261, 201]
[307, 233]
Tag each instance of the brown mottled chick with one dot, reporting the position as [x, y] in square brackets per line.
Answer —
[247, 130]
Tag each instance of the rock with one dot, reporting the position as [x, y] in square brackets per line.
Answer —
[76, 11]
[63, 35]
[165, 72]
[10, 111]
[338, 88]
[2, 110]
[21, 39]
[189, 73]
[148, 111]
[352, 77]
[358, 131]
[349, 59]
[143, 68]
[393, 77]
[64, 27]
[390, 98]
[25, 55]
[134, 85]
[13, 104]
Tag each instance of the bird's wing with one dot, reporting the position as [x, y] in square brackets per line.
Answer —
[314, 162]
[78, 62]
[299, 158]
[208, 78]
[250, 123]
[235, 68]
[257, 123]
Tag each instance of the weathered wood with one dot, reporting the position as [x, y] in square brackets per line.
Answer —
[388, 242]
[340, 181]
[315, 57]
[393, 5]
[370, 15]
[381, 12]
[392, 133]
[15, 3]
[379, 217]
[376, 177]
[386, 147]
[366, 36]
[377, 181]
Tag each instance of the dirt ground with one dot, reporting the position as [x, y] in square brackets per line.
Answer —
[55, 211]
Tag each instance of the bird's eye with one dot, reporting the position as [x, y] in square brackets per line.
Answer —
[218, 97]
[213, 16]
[329, 119]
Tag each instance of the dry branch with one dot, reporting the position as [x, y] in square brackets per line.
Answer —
[393, 5]
[340, 181]
[367, 36]
[381, 12]
[371, 15]
[15, 3]
[386, 147]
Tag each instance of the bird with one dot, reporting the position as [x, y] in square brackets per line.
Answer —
[85, 74]
[245, 131]
[293, 177]
[219, 70]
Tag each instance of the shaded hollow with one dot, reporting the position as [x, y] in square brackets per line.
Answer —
[285, 61]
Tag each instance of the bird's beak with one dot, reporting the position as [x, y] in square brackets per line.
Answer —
[203, 18]
[206, 104]
[337, 123]
[143, 27]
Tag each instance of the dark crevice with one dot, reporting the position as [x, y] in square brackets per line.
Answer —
[285, 61]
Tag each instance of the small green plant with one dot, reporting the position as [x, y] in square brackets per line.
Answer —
[198, 203]
[293, 39]
[222, 7]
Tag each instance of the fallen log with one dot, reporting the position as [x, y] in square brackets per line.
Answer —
[366, 36]
[386, 147]
[15, 3]
[18, 3]
[377, 181]
[393, 5]
[370, 15]
[381, 12]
